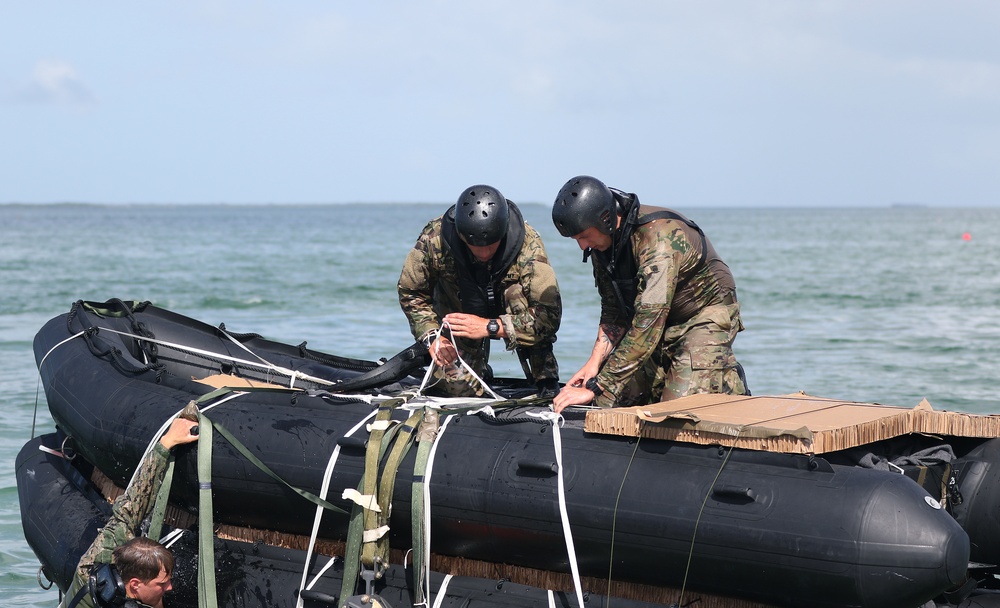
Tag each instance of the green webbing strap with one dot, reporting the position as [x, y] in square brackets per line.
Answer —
[263, 467]
[352, 551]
[225, 390]
[162, 501]
[425, 441]
[377, 550]
[257, 462]
[373, 457]
[360, 516]
[206, 540]
[162, 498]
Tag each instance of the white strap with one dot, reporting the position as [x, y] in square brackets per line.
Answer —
[324, 490]
[557, 421]
[427, 513]
[442, 590]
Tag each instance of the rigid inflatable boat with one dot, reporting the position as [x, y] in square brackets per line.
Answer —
[504, 483]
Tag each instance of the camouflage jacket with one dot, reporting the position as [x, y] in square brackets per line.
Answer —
[127, 514]
[429, 289]
[673, 282]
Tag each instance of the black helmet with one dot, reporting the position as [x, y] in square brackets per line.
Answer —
[481, 215]
[584, 202]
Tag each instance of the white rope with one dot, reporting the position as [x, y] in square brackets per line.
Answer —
[42, 362]
[427, 512]
[556, 420]
[324, 490]
[552, 599]
[475, 376]
[205, 353]
[291, 383]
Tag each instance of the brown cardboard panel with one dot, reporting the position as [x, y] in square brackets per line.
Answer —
[230, 381]
[797, 423]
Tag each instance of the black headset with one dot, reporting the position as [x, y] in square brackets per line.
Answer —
[106, 586]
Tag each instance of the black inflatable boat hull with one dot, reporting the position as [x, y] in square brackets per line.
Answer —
[61, 513]
[783, 529]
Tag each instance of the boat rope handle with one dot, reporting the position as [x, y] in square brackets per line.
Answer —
[292, 374]
[324, 490]
[556, 420]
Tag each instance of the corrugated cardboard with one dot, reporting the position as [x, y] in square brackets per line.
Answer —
[796, 423]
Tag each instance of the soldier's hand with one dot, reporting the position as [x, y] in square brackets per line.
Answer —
[572, 395]
[443, 352]
[180, 431]
[465, 325]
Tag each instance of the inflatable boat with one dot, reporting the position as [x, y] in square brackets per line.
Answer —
[62, 512]
[499, 485]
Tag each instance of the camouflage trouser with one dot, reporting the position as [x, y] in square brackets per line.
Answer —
[694, 357]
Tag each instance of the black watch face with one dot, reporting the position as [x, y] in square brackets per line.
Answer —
[493, 327]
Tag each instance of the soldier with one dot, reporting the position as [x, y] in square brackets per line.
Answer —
[480, 272]
[669, 313]
[129, 570]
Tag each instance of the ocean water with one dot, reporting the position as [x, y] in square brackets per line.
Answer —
[891, 305]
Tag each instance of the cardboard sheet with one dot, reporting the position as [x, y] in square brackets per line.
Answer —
[796, 423]
[231, 381]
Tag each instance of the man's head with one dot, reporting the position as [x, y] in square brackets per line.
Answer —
[146, 568]
[481, 216]
[585, 210]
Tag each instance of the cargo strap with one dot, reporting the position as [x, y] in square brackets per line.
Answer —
[319, 514]
[556, 421]
[423, 551]
[207, 593]
[426, 437]
[367, 550]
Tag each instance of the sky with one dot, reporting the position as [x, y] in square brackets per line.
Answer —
[784, 103]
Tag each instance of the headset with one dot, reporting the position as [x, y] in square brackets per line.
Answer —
[106, 586]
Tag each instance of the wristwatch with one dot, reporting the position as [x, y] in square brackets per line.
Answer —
[493, 329]
[592, 386]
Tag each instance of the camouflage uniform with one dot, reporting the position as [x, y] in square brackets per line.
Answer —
[679, 341]
[127, 514]
[532, 308]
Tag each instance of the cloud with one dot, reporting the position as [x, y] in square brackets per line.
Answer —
[55, 82]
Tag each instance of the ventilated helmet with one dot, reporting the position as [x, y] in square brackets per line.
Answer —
[481, 215]
[584, 202]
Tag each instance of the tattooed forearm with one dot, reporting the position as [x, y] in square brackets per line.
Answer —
[608, 336]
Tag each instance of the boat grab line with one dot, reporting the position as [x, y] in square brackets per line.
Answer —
[292, 374]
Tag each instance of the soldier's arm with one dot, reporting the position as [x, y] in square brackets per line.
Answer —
[416, 288]
[658, 264]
